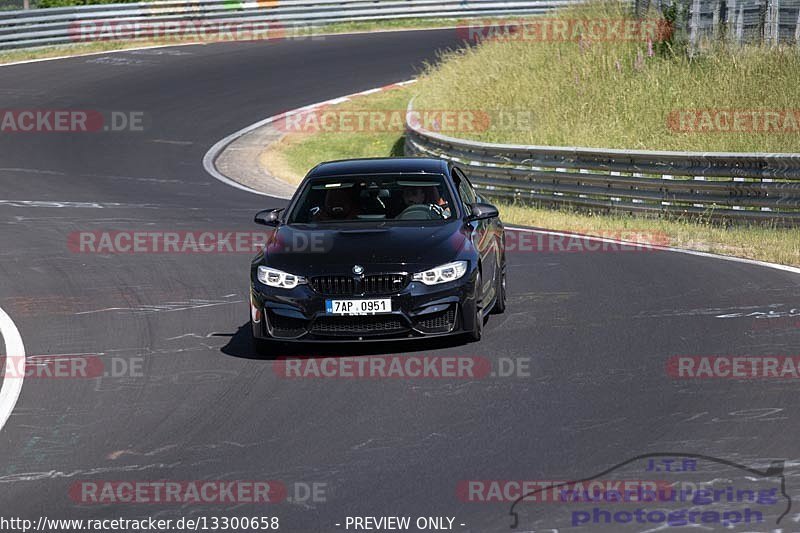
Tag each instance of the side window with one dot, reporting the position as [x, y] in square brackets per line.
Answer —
[465, 190]
[478, 197]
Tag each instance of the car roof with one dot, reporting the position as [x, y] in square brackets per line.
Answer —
[379, 165]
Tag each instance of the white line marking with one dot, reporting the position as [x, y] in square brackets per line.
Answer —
[63, 204]
[209, 160]
[786, 268]
[9, 393]
[166, 307]
[342, 99]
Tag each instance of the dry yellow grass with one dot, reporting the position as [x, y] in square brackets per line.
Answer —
[618, 94]
[776, 245]
[275, 159]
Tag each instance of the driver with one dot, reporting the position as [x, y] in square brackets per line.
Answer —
[426, 196]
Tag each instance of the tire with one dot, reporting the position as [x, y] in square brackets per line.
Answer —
[500, 291]
[260, 346]
[477, 329]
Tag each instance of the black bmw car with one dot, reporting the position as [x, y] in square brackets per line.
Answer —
[373, 249]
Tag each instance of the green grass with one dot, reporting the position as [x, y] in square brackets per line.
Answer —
[614, 94]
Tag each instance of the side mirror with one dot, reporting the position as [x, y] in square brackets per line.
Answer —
[482, 211]
[268, 217]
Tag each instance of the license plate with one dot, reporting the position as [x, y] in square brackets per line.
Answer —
[358, 307]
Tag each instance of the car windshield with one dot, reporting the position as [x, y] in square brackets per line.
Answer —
[356, 198]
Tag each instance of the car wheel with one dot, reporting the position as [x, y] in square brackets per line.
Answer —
[500, 299]
[477, 328]
[260, 346]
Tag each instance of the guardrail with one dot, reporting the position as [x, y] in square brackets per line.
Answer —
[739, 21]
[735, 186]
[26, 28]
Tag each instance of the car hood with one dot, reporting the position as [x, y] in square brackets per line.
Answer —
[308, 250]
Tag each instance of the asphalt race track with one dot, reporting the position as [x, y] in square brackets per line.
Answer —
[595, 329]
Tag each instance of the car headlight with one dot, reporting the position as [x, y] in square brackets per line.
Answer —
[442, 274]
[278, 278]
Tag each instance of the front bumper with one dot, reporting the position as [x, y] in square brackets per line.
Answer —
[418, 311]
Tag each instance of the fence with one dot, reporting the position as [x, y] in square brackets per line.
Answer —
[744, 21]
[736, 186]
[26, 28]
